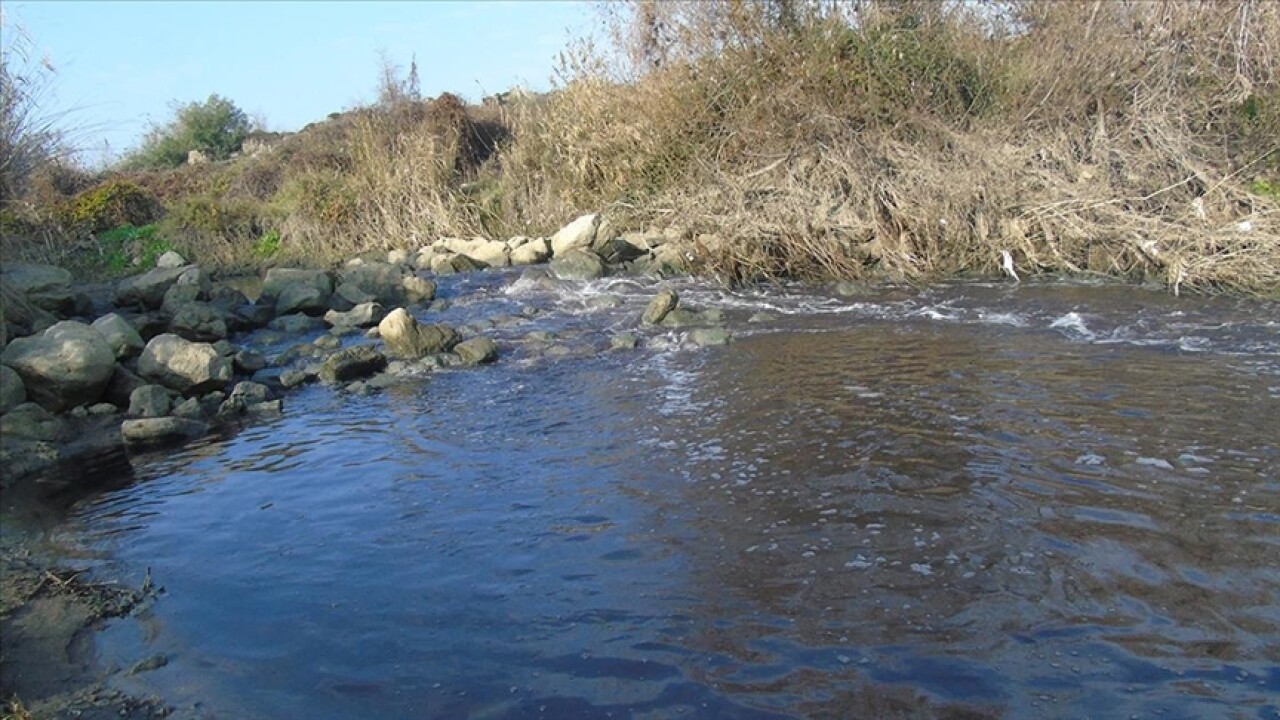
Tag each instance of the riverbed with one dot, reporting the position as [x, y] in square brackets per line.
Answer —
[969, 500]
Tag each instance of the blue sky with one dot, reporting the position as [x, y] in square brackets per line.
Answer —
[121, 65]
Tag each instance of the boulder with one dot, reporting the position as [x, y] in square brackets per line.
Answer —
[180, 294]
[67, 365]
[365, 314]
[661, 304]
[188, 367]
[244, 398]
[150, 401]
[170, 259]
[147, 290]
[617, 251]
[29, 421]
[531, 252]
[381, 282]
[248, 362]
[199, 322]
[124, 340]
[352, 364]
[406, 337]
[302, 299]
[161, 432]
[578, 234]
[577, 264]
[624, 341]
[12, 392]
[348, 295]
[492, 253]
[121, 386]
[477, 351]
[46, 287]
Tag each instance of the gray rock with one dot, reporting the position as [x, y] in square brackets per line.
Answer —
[378, 281]
[170, 259]
[418, 290]
[161, 432]
[624, 341]
[762, 317]
[278, 279]
[705, 337]
[352, 364]
[178, 295]
[29, 421]
[577, 264]
[199, 322]
[453, 264]
[604, 302]
[188, 367]
[492, 253]
[147, 290]
[190, 409]
[225, 348]
[67, 365]
[244, 396]
[248, 362]
[349, 295]
[12, 392]
[406, 337]
[660, 306]
[121, 386]
[290, 379]
[302, 298]
[327, 342]
[150, 401]
[531, 253]
[365, 314]
[578, 234]
[46, 287]
[477, 351]
[296, 324]
[102, 409]
[124, 340]
[682, 317]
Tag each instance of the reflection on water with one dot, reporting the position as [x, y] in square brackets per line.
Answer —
[953, 504]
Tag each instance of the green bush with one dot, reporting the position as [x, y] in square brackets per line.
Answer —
[208, 215]
[215, 127]
[108, 205]
[267, 246]
[129, 246]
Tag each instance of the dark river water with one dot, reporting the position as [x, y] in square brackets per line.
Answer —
[971, 501]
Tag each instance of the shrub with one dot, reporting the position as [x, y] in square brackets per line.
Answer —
[128, 247]
[30, 137]
[215, 127]
[110, 204]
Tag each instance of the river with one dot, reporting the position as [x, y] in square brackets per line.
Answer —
[966, 501]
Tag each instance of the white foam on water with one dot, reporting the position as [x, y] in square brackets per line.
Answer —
[1073, 325]
[1001, 318]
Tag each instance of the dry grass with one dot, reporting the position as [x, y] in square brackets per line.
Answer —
[823, 138]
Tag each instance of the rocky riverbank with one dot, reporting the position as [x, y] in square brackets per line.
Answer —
[91, 377]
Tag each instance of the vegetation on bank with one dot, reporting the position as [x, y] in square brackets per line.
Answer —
[778, 138]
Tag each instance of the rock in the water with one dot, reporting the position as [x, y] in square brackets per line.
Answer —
[170, 259]
[363, 315]
[243, 398]
[417, 290]
[199, 322]
[248, 362]
[160, 432]
[295, 290]
[302, 298]
[150, 401]
[624, 341]
[453, 264]
[577, 264]
[188, 367]
[352, 364]
[530, 252]
[67, 365]
[297, 324]
[381, 282]
[120, 335]
[492, 253]
[290, 379]
[147, 290]
[12, 392]
[406, 337]
[705, 337]
[661, 304]
[477, 351]
[578, 234]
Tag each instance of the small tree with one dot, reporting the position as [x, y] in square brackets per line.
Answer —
[215, 127]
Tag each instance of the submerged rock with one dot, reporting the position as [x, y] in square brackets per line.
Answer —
[705, 337]
[624, 341]
[67, 365]
[162, 431]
